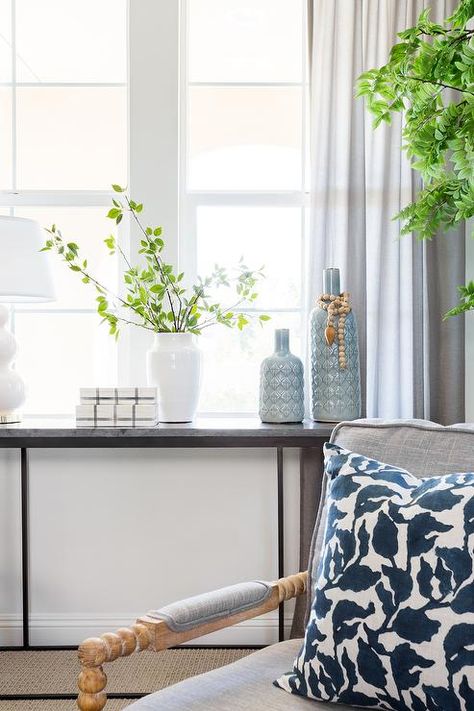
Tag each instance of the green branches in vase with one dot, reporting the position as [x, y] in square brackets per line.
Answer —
[154, 296]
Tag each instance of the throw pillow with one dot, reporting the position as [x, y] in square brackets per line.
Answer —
[392, 621]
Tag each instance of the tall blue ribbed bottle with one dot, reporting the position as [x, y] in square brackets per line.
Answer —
[335, 391]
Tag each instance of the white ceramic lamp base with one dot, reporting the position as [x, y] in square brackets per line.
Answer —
[12, 387]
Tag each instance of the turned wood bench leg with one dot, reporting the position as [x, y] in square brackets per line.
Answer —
[94, 652]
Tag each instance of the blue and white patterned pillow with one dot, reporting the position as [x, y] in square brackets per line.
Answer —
[392, 621]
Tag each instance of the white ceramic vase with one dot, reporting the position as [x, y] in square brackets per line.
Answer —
[174, 366]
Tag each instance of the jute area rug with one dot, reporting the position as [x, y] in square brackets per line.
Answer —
[55, 672]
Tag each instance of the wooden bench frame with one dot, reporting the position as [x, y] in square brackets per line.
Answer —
[152, 633]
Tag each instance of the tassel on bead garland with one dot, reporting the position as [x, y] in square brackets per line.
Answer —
[330, 335]
[336, 306]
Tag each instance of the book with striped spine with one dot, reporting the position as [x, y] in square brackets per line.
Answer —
[118, 396]
[121, 415]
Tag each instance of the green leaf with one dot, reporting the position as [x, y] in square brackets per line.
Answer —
[117, 188]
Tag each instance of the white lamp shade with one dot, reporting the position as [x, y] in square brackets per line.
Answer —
[25, 273]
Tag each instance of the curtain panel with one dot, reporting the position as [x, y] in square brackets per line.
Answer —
[412, 363]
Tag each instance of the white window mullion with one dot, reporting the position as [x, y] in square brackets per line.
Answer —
[245, 84]
[254, 198]
[55, 198]
[62, 84]
[154, 27]
[154, 113]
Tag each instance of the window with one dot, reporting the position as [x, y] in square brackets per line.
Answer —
[243, 147]
[241, 151]
[63, 141]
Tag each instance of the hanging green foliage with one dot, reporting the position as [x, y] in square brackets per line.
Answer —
[430, 79]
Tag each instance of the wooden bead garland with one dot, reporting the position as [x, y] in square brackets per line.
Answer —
[336, 306]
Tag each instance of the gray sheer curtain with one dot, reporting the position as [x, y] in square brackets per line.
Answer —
[412, 362]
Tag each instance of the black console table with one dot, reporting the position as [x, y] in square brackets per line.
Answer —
[205, 432]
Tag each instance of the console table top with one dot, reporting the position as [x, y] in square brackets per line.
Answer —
[203, 432]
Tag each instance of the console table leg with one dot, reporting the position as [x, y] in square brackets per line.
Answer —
[281, 541]
[25, 548]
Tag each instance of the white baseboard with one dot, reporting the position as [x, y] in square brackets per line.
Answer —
[64, 629]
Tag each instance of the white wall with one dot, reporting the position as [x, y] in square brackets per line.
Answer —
[117, 532]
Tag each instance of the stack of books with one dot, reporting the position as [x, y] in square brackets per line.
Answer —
[117, 407]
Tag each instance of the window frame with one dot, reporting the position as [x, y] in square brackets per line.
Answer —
[157, 161]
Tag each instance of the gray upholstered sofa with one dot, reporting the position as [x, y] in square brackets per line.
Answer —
[421, 447]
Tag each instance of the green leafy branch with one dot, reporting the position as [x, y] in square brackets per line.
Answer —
[429, 77]
[154, 297]
[466, 301]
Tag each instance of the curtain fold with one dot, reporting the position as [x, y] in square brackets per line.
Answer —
[412, 363]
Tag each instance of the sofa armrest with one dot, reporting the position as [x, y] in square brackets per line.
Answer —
[203, 614]
[178, 623]
[220, 604]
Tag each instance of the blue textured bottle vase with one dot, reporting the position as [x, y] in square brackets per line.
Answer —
[335, 390]
[281, 383]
